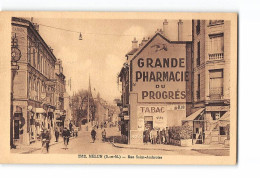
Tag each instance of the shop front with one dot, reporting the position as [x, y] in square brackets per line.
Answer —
[40, 118]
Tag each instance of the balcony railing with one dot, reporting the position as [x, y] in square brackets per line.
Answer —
[216, 56]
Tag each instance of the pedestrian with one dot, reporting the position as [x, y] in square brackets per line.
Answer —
[154, 136]
[104, 135]
[162, 136]
[146, 136]
[158, 136]
[93, 134]
[46, 137]
[75, 131]
[70, 126]
[151, 136]
[66, 136]
[57, 134]
[167, 136]
[170, 135]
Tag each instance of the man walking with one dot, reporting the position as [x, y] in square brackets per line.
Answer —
[93, 134]
[66, 135]
[57, 134]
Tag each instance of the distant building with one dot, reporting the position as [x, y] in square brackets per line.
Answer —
[101, 112]
[60, 84]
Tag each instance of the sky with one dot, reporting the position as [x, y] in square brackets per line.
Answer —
[99, 55]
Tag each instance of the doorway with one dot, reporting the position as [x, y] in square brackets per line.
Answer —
[148, 123]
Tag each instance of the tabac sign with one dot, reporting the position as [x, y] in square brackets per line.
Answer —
[159, 71]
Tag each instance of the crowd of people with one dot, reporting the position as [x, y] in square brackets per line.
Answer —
[65, 133]
[157, 136]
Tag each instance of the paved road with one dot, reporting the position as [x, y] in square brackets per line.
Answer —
[83, 145]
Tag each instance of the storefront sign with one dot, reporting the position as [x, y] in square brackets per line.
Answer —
[160, 75]
[157, 115]
[176, 107]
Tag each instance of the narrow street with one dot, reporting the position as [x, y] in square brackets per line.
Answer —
[83, 145]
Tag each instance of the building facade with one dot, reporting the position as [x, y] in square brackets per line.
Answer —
[211, 80]
[159, 85]
[171, 83]
[33, 84]
[60, 91]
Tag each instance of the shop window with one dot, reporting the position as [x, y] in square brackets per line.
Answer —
[222, 130]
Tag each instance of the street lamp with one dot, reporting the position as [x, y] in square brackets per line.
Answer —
[15, 57]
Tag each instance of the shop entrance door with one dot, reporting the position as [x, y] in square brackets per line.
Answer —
[148, 122]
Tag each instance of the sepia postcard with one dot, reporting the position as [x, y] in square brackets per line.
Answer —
[118, 88]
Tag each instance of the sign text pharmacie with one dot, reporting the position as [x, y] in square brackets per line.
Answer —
[162, 72]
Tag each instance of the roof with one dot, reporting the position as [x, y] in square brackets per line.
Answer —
[140, 49]
[194, 115]
[132, 52]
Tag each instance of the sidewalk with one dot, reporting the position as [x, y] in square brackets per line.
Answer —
[26, 149]
[196, 147]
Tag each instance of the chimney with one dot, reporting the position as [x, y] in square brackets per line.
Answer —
[36, 27]
[51, 49]
[144, 40]
[165, 28]
[134, 43]
[180, 23]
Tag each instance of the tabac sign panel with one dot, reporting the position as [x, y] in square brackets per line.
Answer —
[159, 71]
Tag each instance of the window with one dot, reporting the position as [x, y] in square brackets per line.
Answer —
[198, 27]
[198, 54]
[217, 114]
[216, 46]
[34, 57]
[222, 131]
[198, 91]
[216, 83]
[216, 22]
[29, 52]
[38, 61]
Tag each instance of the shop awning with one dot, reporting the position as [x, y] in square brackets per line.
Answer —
[194, 115]
[40, 110]
[225, 117]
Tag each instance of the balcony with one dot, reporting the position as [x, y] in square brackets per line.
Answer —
[216, 56]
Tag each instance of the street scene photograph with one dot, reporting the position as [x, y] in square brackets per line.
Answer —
[122, 87]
